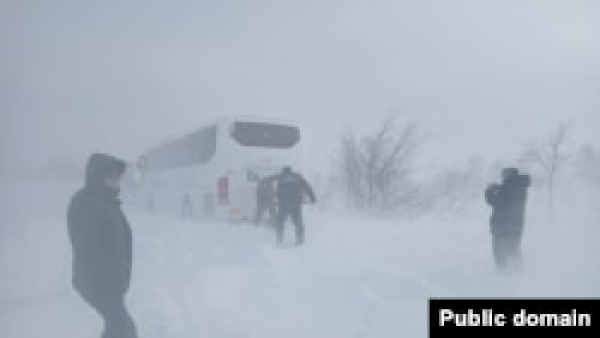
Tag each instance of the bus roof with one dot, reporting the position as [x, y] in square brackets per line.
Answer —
[221, 119]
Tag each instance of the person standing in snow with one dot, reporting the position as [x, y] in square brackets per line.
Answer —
[102, 245]
[265, 198]
[291, 188]
[508, 214]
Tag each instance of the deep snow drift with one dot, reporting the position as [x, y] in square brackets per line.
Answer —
[356, 277]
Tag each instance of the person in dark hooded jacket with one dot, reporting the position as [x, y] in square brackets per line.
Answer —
[508, 215]
[291, 188]
[265, 198]
[102, 245]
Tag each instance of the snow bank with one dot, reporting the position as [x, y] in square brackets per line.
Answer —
[354, 278]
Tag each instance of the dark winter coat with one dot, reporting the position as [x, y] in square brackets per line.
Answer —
[291, 188]
[508, 203]
[100, 235]
[265, 191]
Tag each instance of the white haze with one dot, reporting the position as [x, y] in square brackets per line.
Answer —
[355, 277]
[480, 78]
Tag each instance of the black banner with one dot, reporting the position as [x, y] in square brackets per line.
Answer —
[450, 316]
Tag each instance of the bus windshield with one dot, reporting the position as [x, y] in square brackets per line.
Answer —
[258, 134]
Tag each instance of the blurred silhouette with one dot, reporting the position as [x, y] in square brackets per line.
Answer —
[291, 188]
[102, 245]
[508, 215]
[265, 198]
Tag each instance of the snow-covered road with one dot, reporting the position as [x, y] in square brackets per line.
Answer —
[355, 277]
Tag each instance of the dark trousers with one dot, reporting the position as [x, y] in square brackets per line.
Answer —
[117, 321]
[261, 207]
[507, 251]
[295, 212]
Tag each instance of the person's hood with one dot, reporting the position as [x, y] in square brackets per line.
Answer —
[100, 166]
[509, 173]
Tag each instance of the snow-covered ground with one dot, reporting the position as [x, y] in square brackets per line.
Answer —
[355, 277]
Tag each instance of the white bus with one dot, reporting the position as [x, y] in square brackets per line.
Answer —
[214, 171]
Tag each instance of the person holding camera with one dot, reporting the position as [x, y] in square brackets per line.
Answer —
[508, 201]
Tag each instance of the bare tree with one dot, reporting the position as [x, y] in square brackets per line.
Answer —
[352, 170]
[551, 157]
[453, 190]
[376, 168]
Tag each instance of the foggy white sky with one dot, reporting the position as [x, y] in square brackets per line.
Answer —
[481, 77]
